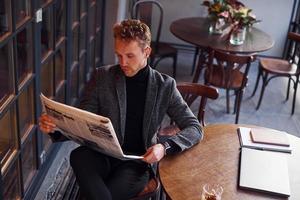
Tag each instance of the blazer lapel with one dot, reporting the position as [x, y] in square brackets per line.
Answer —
[121, 93]
[149, 104]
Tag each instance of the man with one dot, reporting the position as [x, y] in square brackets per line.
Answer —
[136, 98]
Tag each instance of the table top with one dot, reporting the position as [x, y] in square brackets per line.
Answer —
[194, 30]
[216, 159]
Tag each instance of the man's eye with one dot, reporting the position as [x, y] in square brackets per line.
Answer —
[130, 56]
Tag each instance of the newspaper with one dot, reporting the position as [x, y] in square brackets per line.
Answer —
[85, 128]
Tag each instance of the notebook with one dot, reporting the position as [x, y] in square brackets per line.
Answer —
[265, 171]
[269, 136]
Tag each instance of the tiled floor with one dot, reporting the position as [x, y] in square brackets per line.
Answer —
[273, 113]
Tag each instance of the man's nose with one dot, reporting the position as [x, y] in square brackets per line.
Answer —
[123, 61]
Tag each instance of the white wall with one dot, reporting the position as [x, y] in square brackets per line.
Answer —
[275, 16]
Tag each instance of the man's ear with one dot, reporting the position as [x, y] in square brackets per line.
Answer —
[148, 51]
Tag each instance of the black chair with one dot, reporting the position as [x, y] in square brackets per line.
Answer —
[228, 71]
[288, 67]
[144, 10]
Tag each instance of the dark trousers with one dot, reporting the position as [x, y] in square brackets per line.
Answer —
[103, 177]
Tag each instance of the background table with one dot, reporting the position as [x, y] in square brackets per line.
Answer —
[216, 159]
[195, 31]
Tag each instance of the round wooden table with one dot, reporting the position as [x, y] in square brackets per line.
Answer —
[194, 30]
[216, 159]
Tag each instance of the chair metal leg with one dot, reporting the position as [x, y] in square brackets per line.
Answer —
[195, 59]
[239, 100]
[174, 66]
[288, 89]
[264, 84]
[295, 94]
[259, 73]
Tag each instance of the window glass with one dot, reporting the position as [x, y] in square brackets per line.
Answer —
[47, 79]
[11, 183]
[28, 158]
[6, 77]
[83, 6]
[82, 42]
[26, 110]
[22, 10]
[60, 57]
[92, 24]
[60, 19]
[4, 17]
[8, 134]
[75, 10]
[47, 32]
[74, 83]
[92, 57]
[99, 12]
[82, 71]
[24, 53]
[98, 50]
[75, 44]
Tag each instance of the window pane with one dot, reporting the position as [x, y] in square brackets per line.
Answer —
[82, 71]
[74, 83]
[60, 96]
[98, 50]
[47, 79]
[60, 20]
[75, 44]
[28, 157]
[60, 57]
[6, 77]
[22, 10]
[4, 17]
[100, 5]
[75, 10]
[11, 183]
[92, 24]
[8, 142]
[92, 57]
[83, 6]
[83, 34]
[26, 112]
[47, 32]
[24, 53]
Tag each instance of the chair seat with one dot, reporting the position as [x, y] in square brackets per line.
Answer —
[278, 66]
[217, 79]
[162, 49]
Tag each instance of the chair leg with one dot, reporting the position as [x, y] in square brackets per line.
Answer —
[263, 86]
[295, 94]
[227, 101]
[174, 66]
[195, 59]
[238, 107]
[259, 73]
[288, 89]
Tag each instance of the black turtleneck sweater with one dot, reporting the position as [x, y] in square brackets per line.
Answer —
[136, 88]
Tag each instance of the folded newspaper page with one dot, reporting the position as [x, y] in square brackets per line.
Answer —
[85, 128]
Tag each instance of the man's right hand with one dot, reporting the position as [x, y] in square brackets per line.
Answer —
[46, 124]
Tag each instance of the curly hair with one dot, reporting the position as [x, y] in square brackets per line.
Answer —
[133, 30]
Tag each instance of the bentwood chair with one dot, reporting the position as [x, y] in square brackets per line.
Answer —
[151, 12]
[288, 67]
[228, 71]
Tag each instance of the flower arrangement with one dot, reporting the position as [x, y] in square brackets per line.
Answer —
[217, 9]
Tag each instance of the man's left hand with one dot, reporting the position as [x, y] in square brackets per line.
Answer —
[154, 154]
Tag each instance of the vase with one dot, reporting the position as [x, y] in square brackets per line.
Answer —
[238, 36]
[216, 26]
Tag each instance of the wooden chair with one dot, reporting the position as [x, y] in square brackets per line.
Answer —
[288, 67]
[143, 10]
[228, 71]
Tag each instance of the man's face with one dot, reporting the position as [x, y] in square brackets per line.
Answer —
[131, 56]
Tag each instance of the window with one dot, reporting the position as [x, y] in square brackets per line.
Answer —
[47, 33]
[28, 158]
[74, 83]
[8, 143]
[6, 77]
[60, 20]
[92, 21]
[47, 79]
[5, 17]
[26, 110]
[82, 71]
[75, 44]
[82, 42]
[22, 11]
[75, 11]
[11, 183]
[24, 53]
[60, 57]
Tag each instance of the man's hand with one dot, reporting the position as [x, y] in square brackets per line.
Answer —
[46, 124]
[154, 154]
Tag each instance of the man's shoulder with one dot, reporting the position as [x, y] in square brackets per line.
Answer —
[162, 78]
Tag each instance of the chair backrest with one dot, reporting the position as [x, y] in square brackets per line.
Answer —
[227, 67]
[293, 55]
[149, 12]
[191, 91]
